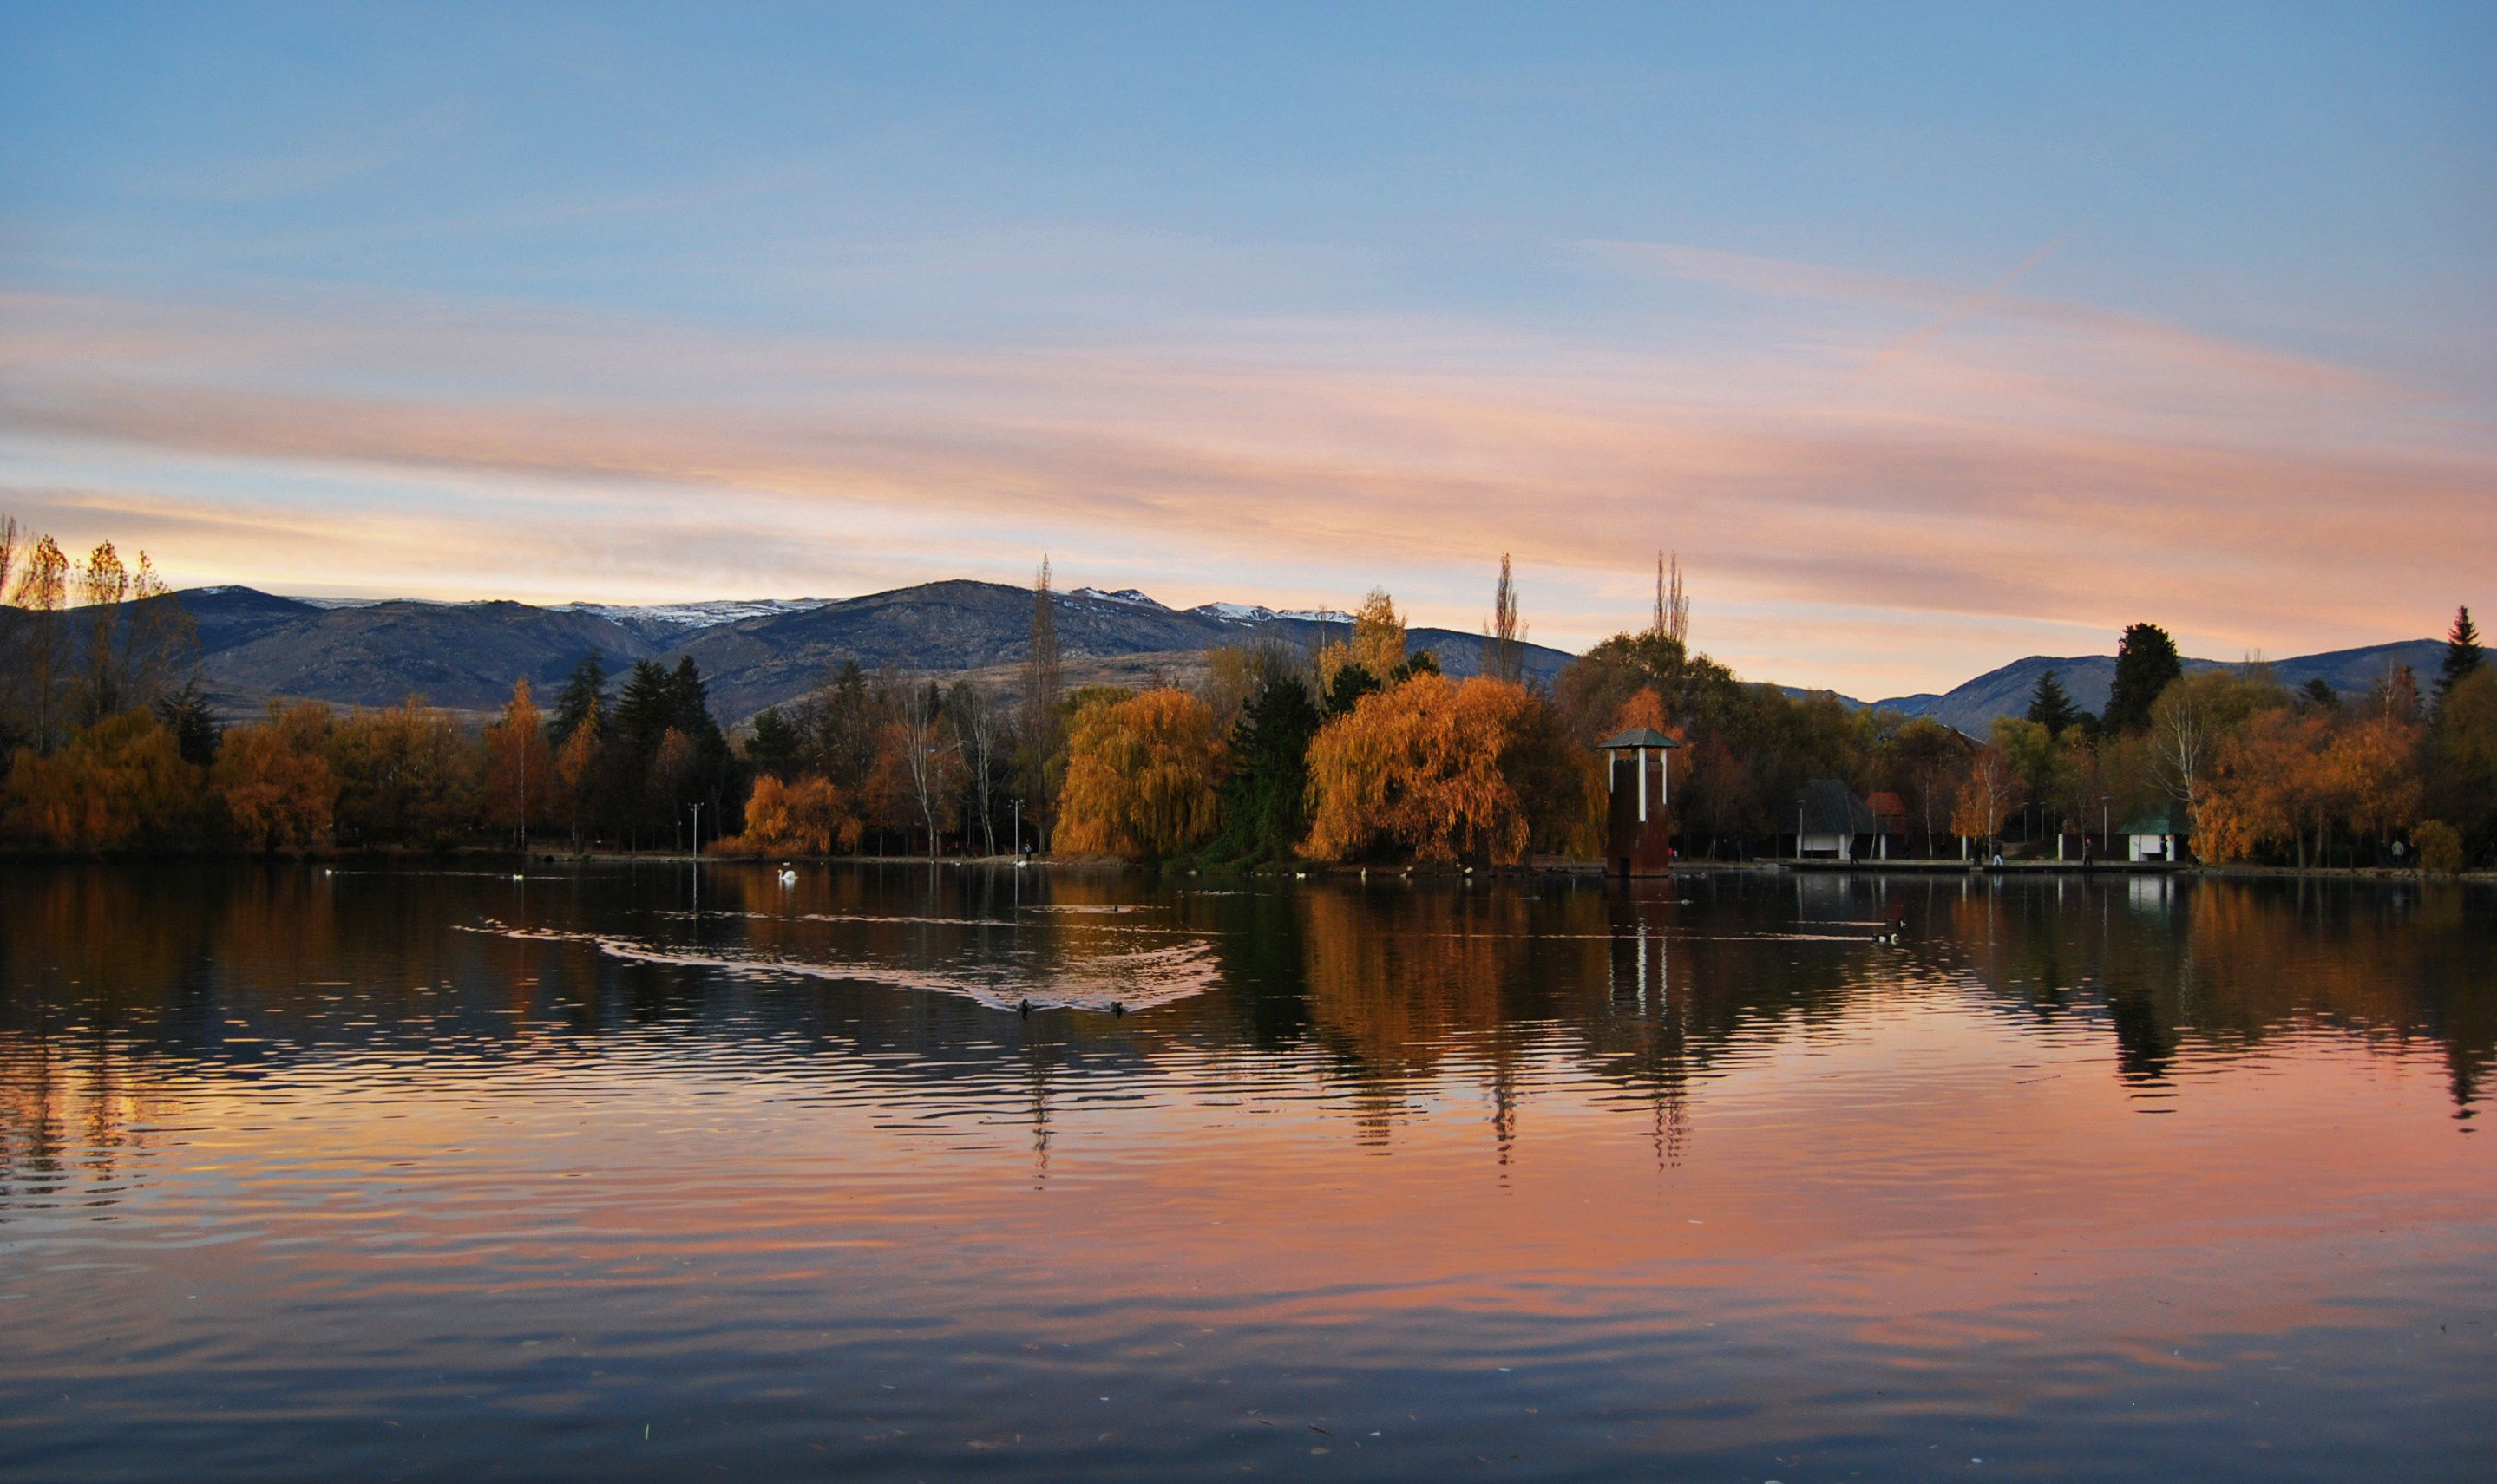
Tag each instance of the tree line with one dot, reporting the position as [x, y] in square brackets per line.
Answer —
[1357, 750]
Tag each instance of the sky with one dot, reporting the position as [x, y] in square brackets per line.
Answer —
[1928, 336]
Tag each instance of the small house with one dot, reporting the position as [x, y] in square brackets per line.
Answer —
[2158, 834]
[1834, 823]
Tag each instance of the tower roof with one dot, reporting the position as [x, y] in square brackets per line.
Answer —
[1636, 736]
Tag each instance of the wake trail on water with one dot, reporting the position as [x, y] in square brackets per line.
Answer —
[1141, 980]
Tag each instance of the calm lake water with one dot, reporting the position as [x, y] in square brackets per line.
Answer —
[630, 1172]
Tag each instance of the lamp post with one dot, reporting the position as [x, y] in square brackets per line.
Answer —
[697, 832]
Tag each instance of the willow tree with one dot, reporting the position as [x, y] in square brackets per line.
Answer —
[1417, 771]
[1140, 776]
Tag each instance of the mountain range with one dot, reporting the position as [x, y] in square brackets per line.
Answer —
[258, 646]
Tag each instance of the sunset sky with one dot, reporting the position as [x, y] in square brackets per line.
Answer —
[1929, 337]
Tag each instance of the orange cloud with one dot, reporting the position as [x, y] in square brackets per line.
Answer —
[2251, 499]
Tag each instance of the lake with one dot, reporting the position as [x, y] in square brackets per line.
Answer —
[649, 1172]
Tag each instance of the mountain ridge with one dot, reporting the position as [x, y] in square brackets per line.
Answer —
[258, 646]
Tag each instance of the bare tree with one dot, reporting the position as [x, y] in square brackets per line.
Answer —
[974, 724]
[926, 751]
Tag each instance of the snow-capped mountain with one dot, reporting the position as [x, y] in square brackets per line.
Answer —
[1124, 598]
[663, 622]
[1258, 613]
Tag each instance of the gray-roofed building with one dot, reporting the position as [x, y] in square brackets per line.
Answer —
[1832, 822]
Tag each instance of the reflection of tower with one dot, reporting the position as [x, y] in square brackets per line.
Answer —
[1640, 978]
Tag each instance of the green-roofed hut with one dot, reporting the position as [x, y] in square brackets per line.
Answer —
[2158, 834]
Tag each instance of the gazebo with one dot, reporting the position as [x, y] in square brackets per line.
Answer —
[1639, 838]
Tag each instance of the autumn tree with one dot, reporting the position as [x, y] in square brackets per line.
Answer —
[36, 632]
[1417, 771]
[1988, 794]
[809, 815]
[274, 781]
[1377, 642]
[1922, 762]
[1233, 675]
[2463, 751]
[406, 777]
[519, 769]
[1140, 776]
[577, 771]
[2191, 719]
[120, 784]
[2146, 663]
[582, 701]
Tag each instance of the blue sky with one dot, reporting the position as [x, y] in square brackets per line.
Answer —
[1929, 337]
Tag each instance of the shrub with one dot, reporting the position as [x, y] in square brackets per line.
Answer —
[2440, 847]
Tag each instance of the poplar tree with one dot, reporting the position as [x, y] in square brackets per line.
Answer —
[1506, 660]
[1043, 681]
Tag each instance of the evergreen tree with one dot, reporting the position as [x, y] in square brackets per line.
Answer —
[776, 745]
[1419, 662]
[2319, 694]
[1264, 800]
[2050, 708]
[689, 705]
[644, 710]
[2145, 663]
[584, 698]
[2462, 654]
[1352, 682]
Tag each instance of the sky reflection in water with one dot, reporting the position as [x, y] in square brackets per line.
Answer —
[419, 1175]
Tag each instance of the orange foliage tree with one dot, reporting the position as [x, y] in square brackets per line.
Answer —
[275, 781]
[1140, 776]
[519, 771]
[1420, 770]
[803, 816]
[120, 784]
[1988, 795]
[406, 777]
